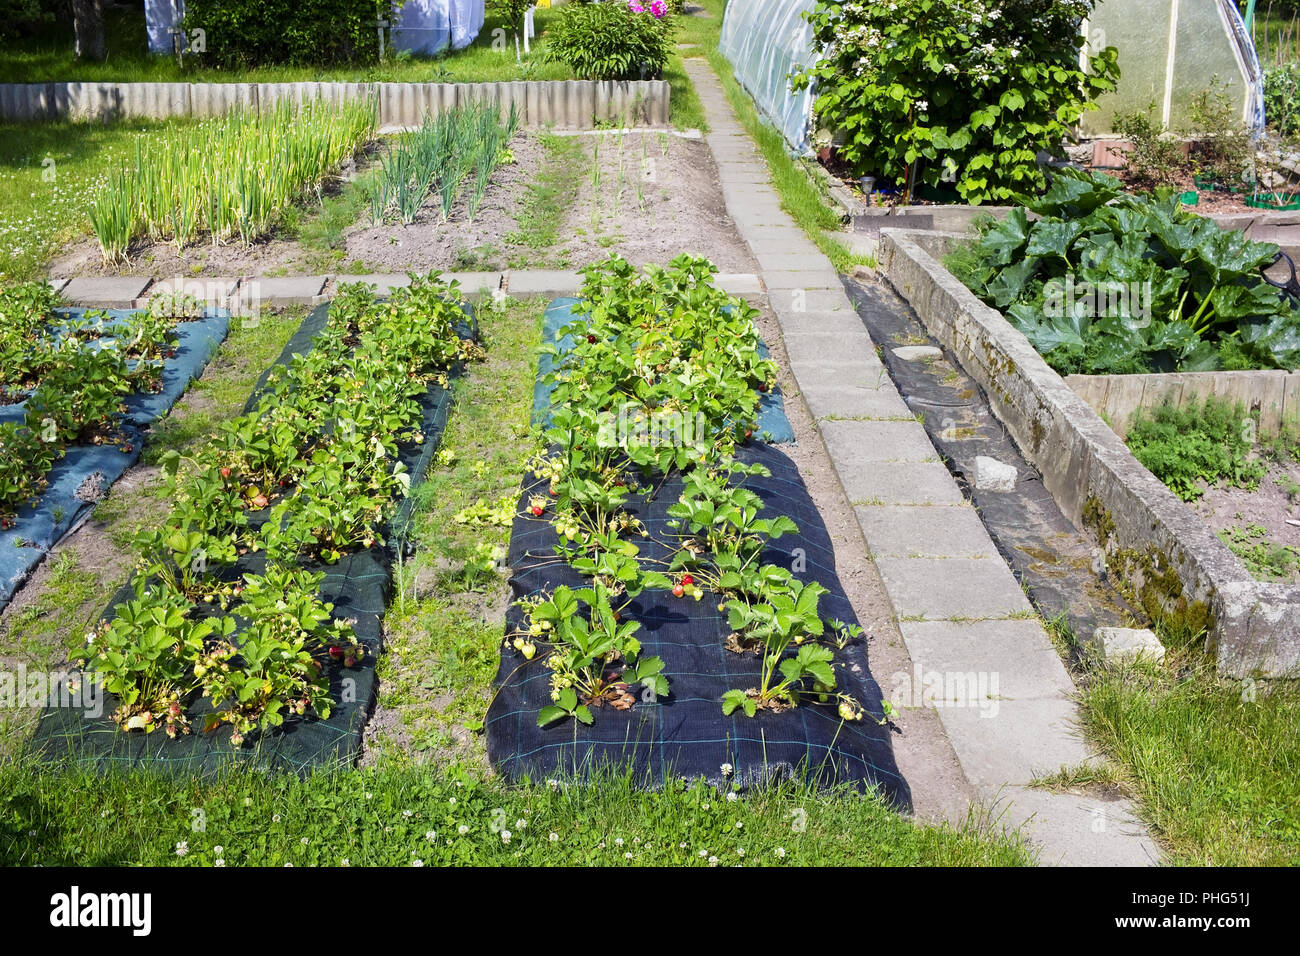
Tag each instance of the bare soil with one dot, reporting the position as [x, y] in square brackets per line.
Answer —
[667, 200]
[1269, 506]
[657, 196]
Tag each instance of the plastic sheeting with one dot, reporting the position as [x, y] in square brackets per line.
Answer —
[429, 26]
[765, 41]
[1170, 51]
[423, 27]
[685, 734]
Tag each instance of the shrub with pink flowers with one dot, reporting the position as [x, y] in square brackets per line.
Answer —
[629, 40]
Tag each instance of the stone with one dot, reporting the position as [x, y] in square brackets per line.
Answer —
[1116, 645]
[105, 292]
[918, 353]
[993, 475]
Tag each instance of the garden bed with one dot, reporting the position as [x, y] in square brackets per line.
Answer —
[1163, 554]
[647, 550]
[307, 574]
[51, 493]
[668, 199]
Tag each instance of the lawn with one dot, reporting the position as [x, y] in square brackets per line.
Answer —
[1213, 761]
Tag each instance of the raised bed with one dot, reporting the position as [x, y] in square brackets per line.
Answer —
[1162, 554]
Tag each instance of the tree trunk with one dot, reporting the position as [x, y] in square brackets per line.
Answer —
[88, 24]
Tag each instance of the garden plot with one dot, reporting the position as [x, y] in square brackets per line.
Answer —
[290, 516]
[548, 202]
[658, 623]
[648, 196]
[78, 391]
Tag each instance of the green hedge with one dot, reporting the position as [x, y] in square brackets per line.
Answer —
[249, 33]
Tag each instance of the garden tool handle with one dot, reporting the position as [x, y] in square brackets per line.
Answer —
[1291, 286]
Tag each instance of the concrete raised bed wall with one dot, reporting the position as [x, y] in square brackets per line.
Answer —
[1273, 392]
[565, 104]
[1162, 554]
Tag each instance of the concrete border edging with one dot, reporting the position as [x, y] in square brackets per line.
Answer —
[565, 104]
[1159, 549]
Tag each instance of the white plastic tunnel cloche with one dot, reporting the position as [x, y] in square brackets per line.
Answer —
[766, 41]
[1170, 52]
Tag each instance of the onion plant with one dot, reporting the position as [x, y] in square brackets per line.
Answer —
[229, 176]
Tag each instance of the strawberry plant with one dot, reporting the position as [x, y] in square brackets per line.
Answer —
[317, 456]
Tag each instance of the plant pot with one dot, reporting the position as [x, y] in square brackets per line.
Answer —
[1281, 201]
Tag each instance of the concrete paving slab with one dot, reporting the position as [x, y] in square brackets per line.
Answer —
[809, 279]
[105, 292]
[744, 284]
[219, 292]
[542, 282]
[854, 444]
[834, 350]
[927, 531]
[937, 589]
[475, 283]
[849, 396]
[56, 284]
[845, 323]
[793, 261]
[1075, 829]
[278, 291]
[1016, 654]
[899, 483]
[1013, 741]
[783, 242]
[384, 284]
[796, 301]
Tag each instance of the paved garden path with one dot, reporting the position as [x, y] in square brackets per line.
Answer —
[961, 612]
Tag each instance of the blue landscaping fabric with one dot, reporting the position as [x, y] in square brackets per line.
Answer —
[685, 734]
[773, 426]
[86, 472]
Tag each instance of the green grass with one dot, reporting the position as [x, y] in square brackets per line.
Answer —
[541, 211]
[49, 173]
[399, 814]
[1213, 761]
[446, 620]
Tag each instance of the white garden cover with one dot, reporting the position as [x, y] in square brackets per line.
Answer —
[1169, 52]
[423, 26]
[766, 40]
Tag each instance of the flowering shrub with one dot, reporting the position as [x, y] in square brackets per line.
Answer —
[613, 40]
[959, 91]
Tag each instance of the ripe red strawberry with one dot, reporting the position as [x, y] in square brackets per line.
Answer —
[336, 652]
[225, 472]
[537, 510]
[687, 579]
[591, 339]
[678, 590]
